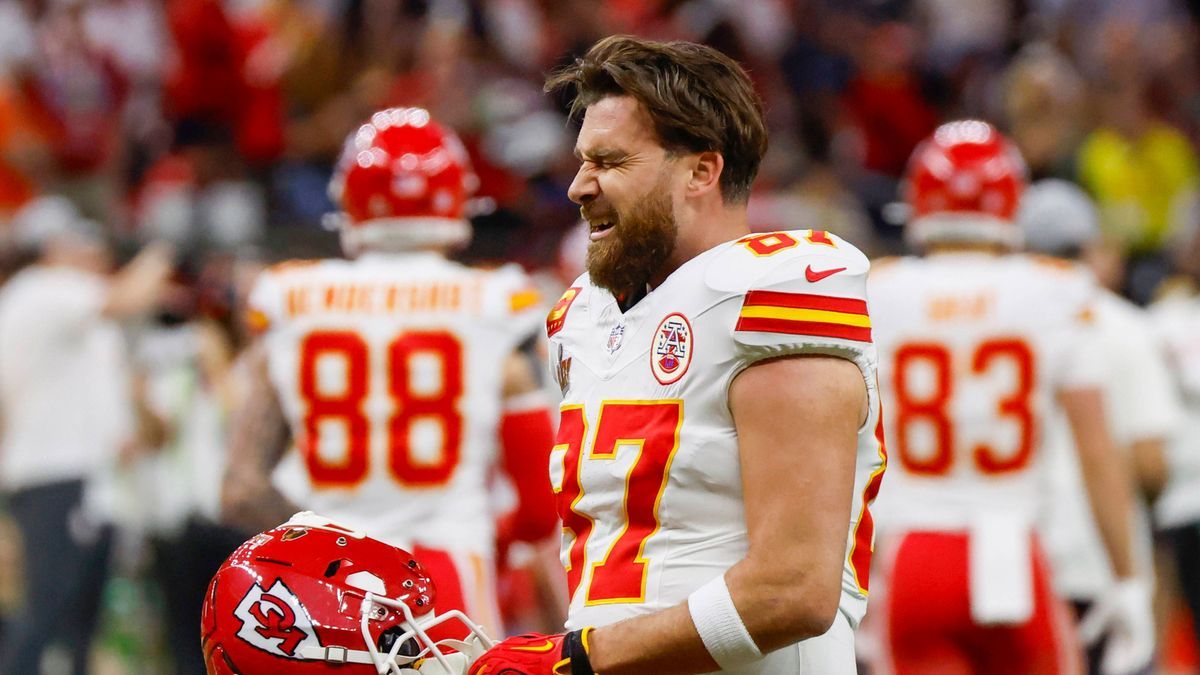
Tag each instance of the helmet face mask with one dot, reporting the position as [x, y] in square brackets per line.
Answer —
[402, 182]
[311, 596]
[963, 185]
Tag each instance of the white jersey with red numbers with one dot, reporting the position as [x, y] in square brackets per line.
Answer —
[388, 368]
[646, 465]
[972, 348]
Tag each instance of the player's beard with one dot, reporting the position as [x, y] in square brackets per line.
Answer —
[641, 241]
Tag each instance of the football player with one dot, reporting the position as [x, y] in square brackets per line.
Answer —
[978, 348]
[397, 371]
[718, 446]
[1059, 219]
[1177, 322]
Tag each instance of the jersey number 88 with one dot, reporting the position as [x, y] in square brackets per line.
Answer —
[410, 404]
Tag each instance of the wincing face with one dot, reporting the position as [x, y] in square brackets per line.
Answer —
[627, 187]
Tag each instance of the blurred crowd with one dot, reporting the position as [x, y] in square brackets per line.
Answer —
[214, 123]
[193, 141]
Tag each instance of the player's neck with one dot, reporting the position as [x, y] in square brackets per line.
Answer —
[411, 251]
[701, 231]
[965, 247]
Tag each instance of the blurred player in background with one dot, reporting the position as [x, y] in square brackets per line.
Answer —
[977, 347]
[398, 372]
[1177, 321]
[67, 406]
[1058, 219]
[718, 444]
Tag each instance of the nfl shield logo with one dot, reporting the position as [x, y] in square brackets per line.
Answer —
[672, 353]
[615, 337]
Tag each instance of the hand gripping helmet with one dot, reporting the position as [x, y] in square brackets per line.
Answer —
[963, 184]
[402, 182]
[311, 596]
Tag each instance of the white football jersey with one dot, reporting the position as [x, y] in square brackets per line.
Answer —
[646, 466]
[972, 350]
[388, 368]
[1177, 320]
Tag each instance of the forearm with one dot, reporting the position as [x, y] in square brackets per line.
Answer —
[138, 286]
[1112, 501]
[777, 606]
[254, 506]
[258, 438]
[660, 643]
[1106, 477]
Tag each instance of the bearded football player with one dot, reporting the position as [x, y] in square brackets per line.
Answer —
[719, 445]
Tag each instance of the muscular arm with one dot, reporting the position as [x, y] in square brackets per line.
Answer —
[797, 420]
[258, 439]
[1106, 475]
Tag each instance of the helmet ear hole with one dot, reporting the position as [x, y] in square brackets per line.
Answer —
[388, 638]
[333, 567]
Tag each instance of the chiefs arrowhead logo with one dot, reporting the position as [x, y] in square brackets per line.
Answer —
[672, 352]
[275, 621]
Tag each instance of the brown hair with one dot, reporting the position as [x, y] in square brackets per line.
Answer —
[698, 99]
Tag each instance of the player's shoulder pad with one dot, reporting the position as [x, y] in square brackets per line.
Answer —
[1063, 285]
[1065, 276]
[800, 261]
[512, 300]
[288, 266]
[802, 291]
[512, 289]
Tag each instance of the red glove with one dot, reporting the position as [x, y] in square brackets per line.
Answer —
[537, 654]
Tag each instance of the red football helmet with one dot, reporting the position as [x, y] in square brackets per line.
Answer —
[402, 181]
[963, 184]
[312, 596]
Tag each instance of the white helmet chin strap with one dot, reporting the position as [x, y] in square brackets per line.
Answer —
[395, 664]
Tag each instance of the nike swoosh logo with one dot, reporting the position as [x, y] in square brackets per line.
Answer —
[814, 276]
[542, 648]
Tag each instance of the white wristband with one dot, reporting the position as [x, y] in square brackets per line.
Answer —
[720, 626]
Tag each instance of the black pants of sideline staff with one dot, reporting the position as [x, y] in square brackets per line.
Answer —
[184, 564]
[66, 565]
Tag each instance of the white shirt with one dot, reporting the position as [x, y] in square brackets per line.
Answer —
[64, 381]
[1178, 322]
[1141, 403]
[183, 478]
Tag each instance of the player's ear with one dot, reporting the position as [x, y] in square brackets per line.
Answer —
[706, 173]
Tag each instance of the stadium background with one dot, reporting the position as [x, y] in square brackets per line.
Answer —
[214, 124]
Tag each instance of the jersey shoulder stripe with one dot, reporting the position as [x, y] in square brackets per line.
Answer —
[805, 314]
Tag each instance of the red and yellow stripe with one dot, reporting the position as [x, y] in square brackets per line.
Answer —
[805, 314]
